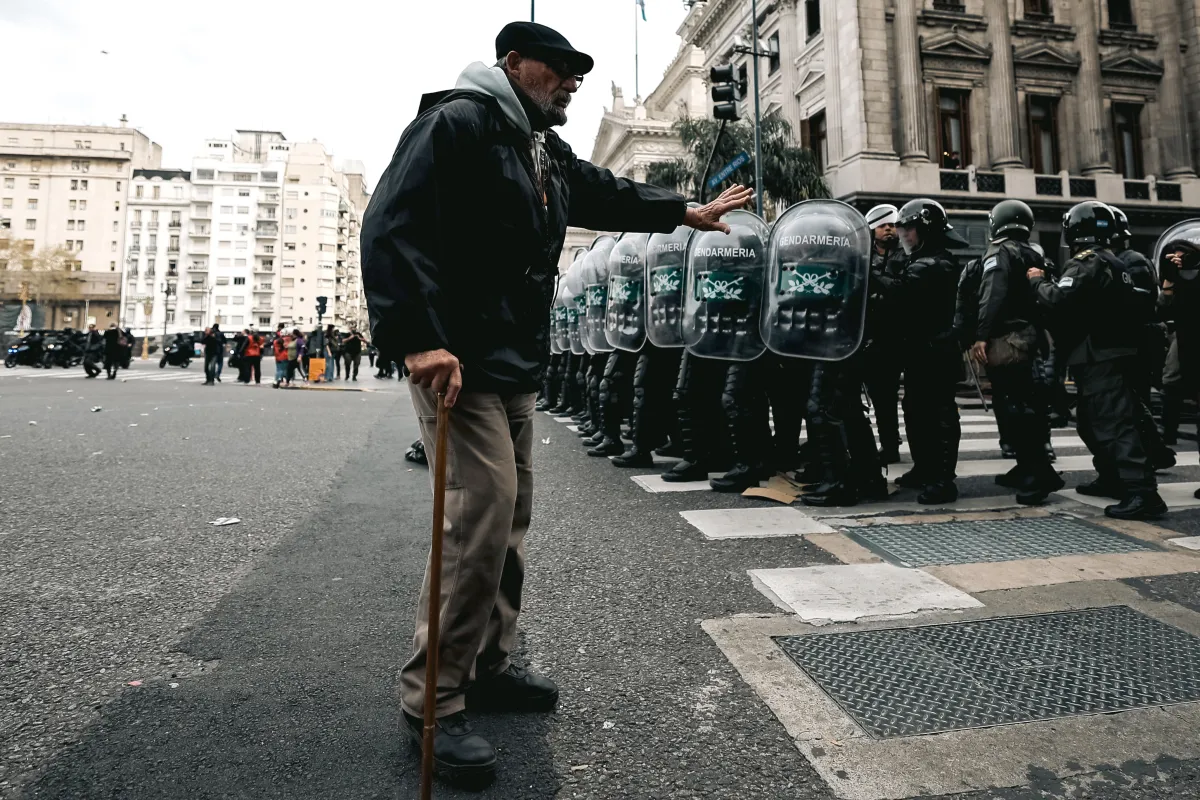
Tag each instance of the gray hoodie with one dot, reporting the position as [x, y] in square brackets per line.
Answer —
[492, 81]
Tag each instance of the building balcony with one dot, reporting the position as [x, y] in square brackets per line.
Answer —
[266, 232]
[201, 231]
[269, 198]
[264, 268]
[196, 288]
[135, 248]
[175, 224]
[263, 309]
[198, 268]
[173, 248]
[264, 290]
[198, 213]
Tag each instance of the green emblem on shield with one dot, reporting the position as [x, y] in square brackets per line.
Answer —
[666, 280]
[596, 294]
[720, 287]
[624, 290]
[811, 281]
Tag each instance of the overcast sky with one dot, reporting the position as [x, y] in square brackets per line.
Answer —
[347, 72]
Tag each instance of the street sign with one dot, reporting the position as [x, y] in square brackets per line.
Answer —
[739, 161]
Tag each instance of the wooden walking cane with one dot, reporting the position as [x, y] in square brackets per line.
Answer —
[433, 643]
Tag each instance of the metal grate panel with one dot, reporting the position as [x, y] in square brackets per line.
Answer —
[936, 678]
[1048, 185]
[990, 182]
[1170, 192]
[973, 542]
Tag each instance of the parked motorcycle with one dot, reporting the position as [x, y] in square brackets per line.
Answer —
[66, 351]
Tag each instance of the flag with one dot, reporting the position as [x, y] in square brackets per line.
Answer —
[642, 5]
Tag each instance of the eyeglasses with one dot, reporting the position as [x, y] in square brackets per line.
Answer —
[562, 70]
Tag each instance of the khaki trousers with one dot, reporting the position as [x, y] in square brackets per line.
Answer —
[489, 499]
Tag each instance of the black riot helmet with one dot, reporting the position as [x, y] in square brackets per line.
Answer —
[1010, 219]
[929, 218]
[1121, 232]
[1091, 223]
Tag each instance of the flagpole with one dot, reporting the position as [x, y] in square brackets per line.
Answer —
[637, 91]
[532, 10]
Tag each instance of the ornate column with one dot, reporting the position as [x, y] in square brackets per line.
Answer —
[911, 92]
[1176, 144]
[1094, 154]
[834, 124]
[789, 50]
[1002, 89]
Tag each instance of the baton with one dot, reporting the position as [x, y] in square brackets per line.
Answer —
[975, 380]
[433, 643]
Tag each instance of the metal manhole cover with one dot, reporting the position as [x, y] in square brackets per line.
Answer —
[936, 678]
[972, 542]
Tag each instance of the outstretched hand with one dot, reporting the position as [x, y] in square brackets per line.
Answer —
[708, 218]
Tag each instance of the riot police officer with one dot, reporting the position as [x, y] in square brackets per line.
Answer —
[930, 359]
[1006, 341]
[1097, 316]
[1152, 346]
[882, 353]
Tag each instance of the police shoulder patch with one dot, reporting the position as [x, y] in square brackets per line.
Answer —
[991, 264]
[1085, 254]
[1066, 283]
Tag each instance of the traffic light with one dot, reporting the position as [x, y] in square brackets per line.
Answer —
[726, 92]
[321, 301]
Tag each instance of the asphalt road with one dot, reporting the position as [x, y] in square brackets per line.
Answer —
[268, 651]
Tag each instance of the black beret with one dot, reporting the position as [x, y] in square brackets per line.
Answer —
[543, 43]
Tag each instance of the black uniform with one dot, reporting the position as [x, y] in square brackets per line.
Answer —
[1152, 356]
[931, 361]
[882, 369]
[1006, 321]
[1097, 320]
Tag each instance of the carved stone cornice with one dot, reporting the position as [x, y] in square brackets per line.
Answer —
[1130, 65]
[1130, 39]
[937, 18]
[1044, 56]
[954, 45]
[1042, 29]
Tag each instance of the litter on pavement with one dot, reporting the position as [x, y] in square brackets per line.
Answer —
[225, 521]
[97, 408]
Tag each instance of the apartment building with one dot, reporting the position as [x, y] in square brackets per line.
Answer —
[65, 186]
[158, 221]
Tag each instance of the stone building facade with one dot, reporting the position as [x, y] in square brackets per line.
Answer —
[972, 101]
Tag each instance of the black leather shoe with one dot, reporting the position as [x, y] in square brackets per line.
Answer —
[1035, 490]
[685, 472]
[873, 491]
[910, 480]
[1140, 505]
[1007, 451]
[1012, 479]
[633, 457]
[607, 447]
[812, 473]
[938, 493]
[1101, 488]
[738, 479]
[1050, 454]
[541, 405]
[595, 439]
[460, 755]
[838, 493]
[1060, 420]
[890, 456]
[515, 689]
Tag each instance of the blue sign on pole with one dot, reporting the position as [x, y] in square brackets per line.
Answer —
[739, 161]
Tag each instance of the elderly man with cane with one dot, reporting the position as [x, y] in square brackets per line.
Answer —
[460, 249]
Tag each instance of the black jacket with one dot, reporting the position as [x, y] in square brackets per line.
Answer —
[214, 344]
[1093, 314]
[1006, 303]
[927, 292]
[883, 315]
[966, 303]
[459, 251]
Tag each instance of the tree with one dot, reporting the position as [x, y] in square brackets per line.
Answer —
[789, 173]
[47, 277]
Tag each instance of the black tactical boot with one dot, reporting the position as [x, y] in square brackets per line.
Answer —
[938, 493]
[873, 490]
[516, 689]
[813, 473]
[1036, 489]
[1007, 450]
[738, 479]
[910, 480]
[634, 457]
[685, 472]
[595, 439]
[1050, 454]
[837, 493]
[1139, 505]
[1012, 479]
[1101, 487]
[672, 449]
[890, 455]
[460, 755]
[606, 447]
[1163, 459]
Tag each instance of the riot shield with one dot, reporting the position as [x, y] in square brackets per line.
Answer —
[595, 281]
[559, 337]
[574, 302]
[1187, 231]
[625, 320]
[723, 289]
[665, 256]
[819, 262]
